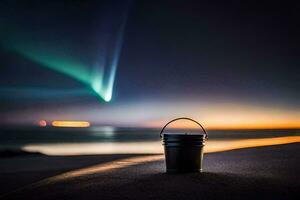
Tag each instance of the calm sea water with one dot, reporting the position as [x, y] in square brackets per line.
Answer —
[63, 141]
[17, 138]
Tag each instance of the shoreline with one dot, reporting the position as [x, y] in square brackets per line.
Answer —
[261, 172]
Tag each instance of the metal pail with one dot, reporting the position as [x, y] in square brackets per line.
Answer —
[183, 151]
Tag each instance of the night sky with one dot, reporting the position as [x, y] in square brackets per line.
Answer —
[229, 64]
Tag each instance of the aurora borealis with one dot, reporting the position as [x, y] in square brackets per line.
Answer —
[48, 46]
[229, 65]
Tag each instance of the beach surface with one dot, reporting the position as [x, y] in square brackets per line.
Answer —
[271, 172]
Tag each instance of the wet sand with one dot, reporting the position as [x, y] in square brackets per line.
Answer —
[256, 173]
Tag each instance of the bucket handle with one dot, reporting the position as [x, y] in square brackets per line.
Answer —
[185, 118]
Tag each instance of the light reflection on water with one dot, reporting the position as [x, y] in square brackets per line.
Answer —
[150, 147]
[107, 131]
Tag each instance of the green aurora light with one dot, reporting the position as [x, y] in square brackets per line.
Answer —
[62, 55]
[94, 79]
[60, 60]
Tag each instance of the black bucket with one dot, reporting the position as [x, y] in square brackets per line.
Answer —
[183, 151]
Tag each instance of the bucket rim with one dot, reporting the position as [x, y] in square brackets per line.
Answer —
[192, 133]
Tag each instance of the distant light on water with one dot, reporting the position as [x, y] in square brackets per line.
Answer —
[42, 123]
[73, 124]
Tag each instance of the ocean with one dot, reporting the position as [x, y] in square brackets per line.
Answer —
[113, 140]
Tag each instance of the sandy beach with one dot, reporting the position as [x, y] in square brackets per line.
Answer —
[254, 173]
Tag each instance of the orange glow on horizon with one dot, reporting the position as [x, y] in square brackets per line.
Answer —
[231, 116]
[229, 125]
[73, 124]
